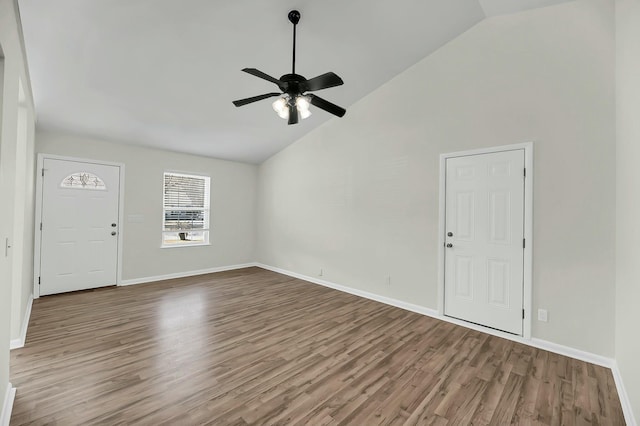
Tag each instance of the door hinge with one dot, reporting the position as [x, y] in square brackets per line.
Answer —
[42, 172]
[39, 278]
[523, 314]
[41, 226]
[525, 172]
[523, 243]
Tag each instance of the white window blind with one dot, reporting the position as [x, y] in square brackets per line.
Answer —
[185, 209]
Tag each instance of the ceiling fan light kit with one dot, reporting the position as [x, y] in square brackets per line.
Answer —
[293, 103]
[281, 106]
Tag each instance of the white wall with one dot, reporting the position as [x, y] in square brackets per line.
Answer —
[10, 145]
[358, 197]
[233, 198]
[628, 197]
[24, 202]
[19, 205]
[26, 284]
[5, 266]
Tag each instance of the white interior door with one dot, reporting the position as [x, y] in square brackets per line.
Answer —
[484, 241]
[79, 242]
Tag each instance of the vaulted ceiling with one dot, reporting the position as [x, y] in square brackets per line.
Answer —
[163, 73]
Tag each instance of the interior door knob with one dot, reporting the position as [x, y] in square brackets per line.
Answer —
[449, 234]
[113, 233]
[449, 245]
[113, 225]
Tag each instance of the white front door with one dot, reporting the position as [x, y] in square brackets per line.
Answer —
[79, 245]
[484, 226]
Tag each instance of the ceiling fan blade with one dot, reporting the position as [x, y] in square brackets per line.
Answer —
[326, 105]
[293, 114]
[245, 101]
[260, 74]
[323, 81]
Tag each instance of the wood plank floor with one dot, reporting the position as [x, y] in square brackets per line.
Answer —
[255, 347]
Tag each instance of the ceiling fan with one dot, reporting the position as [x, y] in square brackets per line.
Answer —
[294, 100]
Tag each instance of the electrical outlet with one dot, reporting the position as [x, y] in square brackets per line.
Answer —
[542, 315]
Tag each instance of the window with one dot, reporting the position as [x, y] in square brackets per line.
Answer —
[83, 180]
[185, 218]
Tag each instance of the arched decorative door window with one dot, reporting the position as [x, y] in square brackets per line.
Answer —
[83, 180]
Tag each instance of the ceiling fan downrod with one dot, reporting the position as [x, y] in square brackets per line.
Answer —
[294, 18]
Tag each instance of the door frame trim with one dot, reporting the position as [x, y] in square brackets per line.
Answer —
[38, 216]
[528, 228]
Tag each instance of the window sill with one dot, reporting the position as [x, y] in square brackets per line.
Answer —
[170, 246]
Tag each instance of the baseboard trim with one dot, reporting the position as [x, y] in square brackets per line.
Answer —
[20, 342]
[144, 280]
[624, 396]
[367, 295]
[7, 405]
[572, 352]
[537, 343]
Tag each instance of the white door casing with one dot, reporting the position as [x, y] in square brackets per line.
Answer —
[484, 251]
[80, 225]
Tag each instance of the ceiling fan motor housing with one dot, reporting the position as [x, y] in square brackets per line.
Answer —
[292, 84]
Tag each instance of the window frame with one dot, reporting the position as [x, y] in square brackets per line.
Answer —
[206, 230]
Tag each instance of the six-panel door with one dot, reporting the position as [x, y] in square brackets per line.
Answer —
[484, 226]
